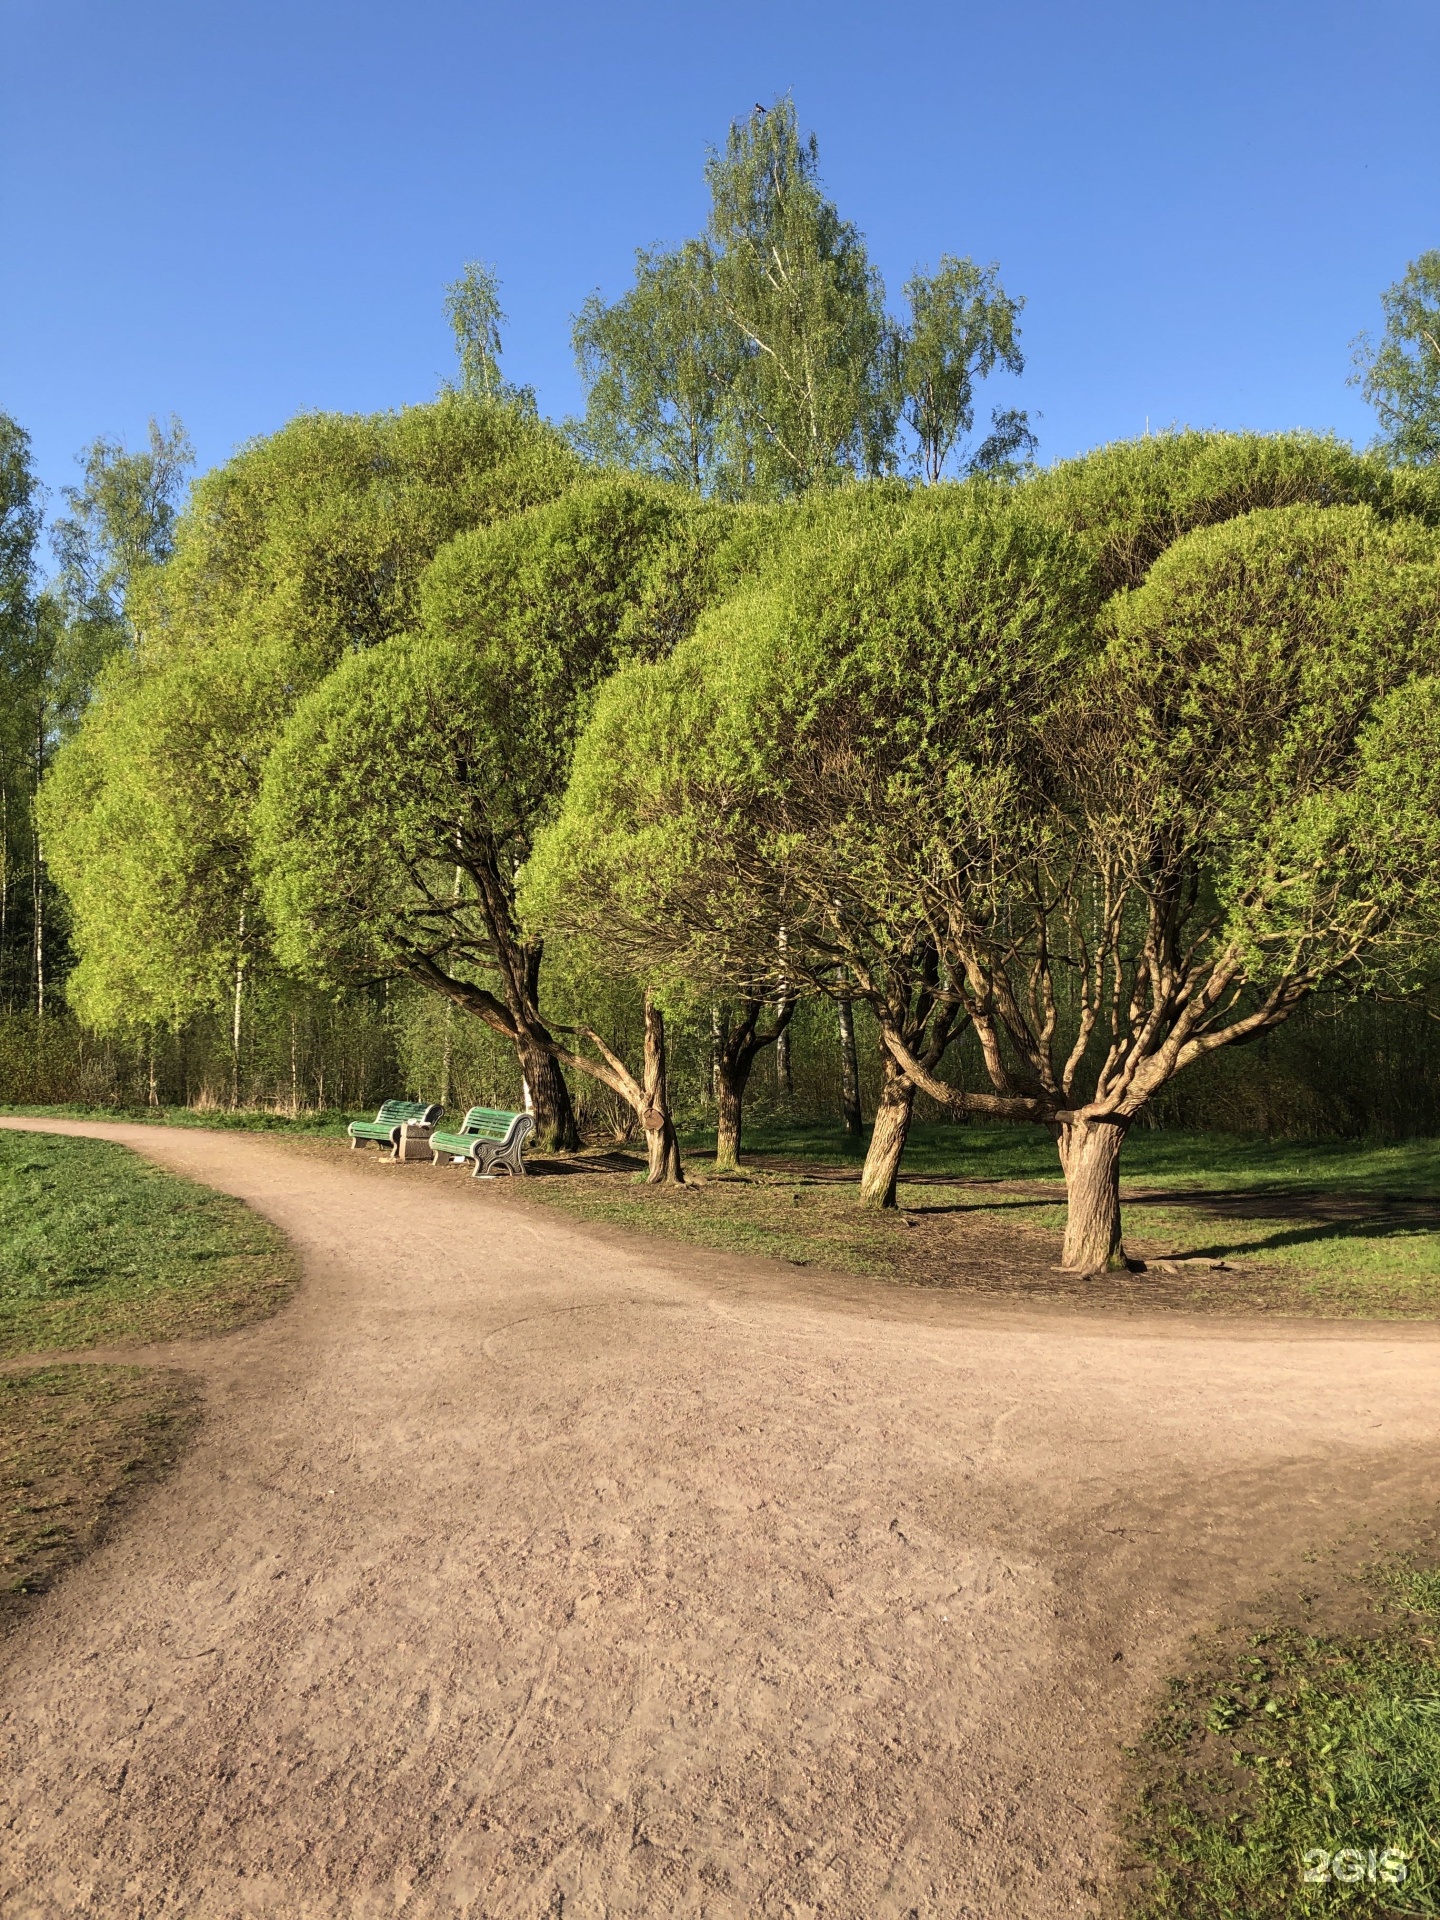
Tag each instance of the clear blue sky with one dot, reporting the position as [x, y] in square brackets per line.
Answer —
[235, 211]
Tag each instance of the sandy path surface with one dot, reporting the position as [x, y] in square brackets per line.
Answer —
[522, 1569]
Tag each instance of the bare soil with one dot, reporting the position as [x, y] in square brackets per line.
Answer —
[525, 1568]
[77, 1443]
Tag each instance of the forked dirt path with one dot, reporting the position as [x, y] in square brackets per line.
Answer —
[522, 1569]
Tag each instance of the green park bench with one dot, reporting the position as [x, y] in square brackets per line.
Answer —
[385, 1127]
[489, 1137]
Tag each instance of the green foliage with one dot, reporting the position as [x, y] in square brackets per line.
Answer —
[862, 637]
[97, 1245]
[409, 785]
[658, 367]
[1401, 376]
[826, 732]
[146, 814]
[29, 635]
[1272, 711]
[307, 547]
[797, 287]
[758, 361]
[310, 544]
[962, 326]
[1340, 1068]
[922, 753]
[1129, 501]
[121, 522]
[19, 529]
[472, 305]
[53, 643]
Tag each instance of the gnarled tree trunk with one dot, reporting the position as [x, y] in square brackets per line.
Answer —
[730, 1112]
[555, 1128]
[735, 1047]
[849, 1071]
[660, 1137]
[887, 1139]
[1090, 1156]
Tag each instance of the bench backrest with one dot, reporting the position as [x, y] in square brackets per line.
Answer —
[396, 1112]
[488, 1123]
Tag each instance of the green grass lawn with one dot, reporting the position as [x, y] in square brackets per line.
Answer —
[242, 1119]
[98, 1247]
[1304, 1752]
[1323, 1226]
[1326, 1227]
[1335, 1212]
[1152, 1157]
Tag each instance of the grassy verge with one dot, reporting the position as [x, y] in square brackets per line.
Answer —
[1297, 1772]
[75, 1443]
[223, 1119]
[97, 1246]
[759, 1212]
[1327, 1227]
[1330, 1228]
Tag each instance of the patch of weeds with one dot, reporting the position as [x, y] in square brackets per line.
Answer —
[75, 1442]
[753, 1213]
[99, 1246]
[1298, 1773]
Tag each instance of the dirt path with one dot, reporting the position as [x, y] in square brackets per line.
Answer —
[529, 1570]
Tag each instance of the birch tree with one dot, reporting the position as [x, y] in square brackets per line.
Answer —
[1400, 373]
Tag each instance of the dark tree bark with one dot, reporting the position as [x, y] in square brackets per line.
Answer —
[550, 1103]
[729, 1119]
[849, 1071]
[924, 1022]
[736, 1047]
[648, 1097]
[556, 1130]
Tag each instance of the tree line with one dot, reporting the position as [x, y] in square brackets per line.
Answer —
[764, 685]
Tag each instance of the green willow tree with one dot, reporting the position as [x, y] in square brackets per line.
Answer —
[883, 751]
[1400, 376]
[743, 810]
[305, 548]
[404, 796]
[1234, 805]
